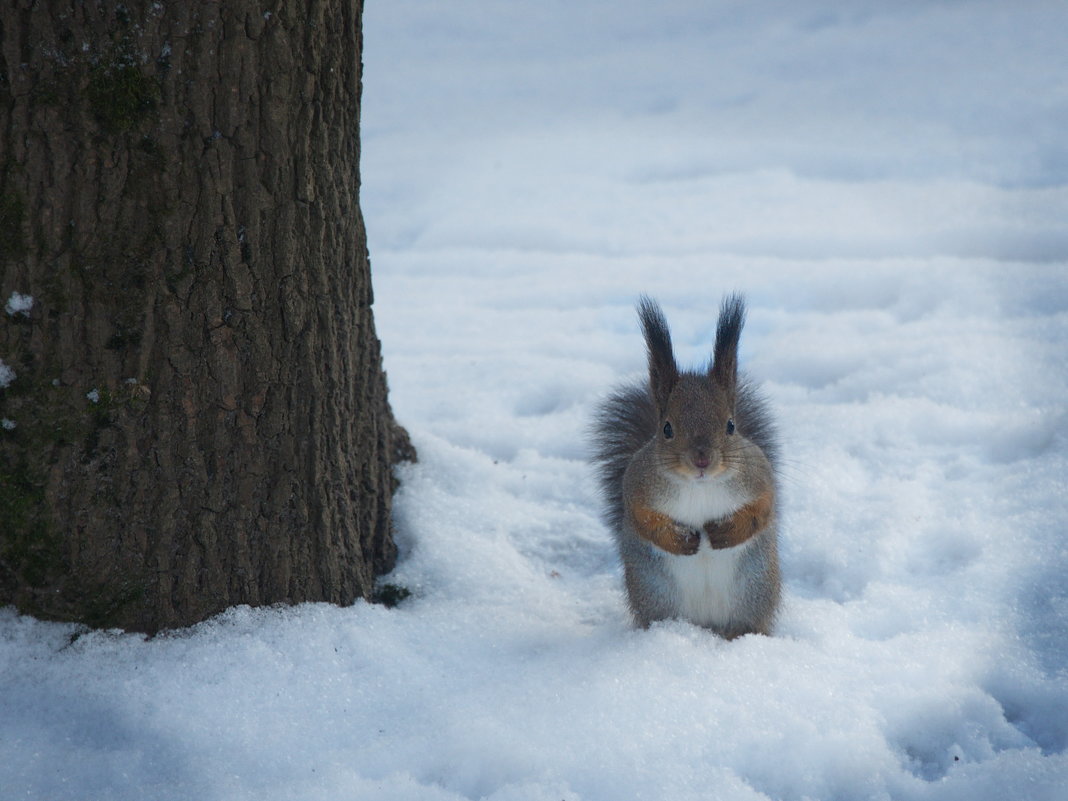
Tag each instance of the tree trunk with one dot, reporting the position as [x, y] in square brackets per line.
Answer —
[196, 414]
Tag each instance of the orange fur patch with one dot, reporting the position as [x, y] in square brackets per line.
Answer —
[664, 532]
[747, 522]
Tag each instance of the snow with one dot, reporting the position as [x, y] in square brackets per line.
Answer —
[888, 183]
[16, 304]
[93, 395]
[19, 304]
[7, 375]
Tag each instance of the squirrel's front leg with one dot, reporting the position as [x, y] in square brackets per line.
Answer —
[746, 522]
[664, 532]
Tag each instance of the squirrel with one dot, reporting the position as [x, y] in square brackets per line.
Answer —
[687, 469]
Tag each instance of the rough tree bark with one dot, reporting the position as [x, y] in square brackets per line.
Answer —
[198, 415]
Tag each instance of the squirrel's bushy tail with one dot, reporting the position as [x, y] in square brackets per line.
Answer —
[624, 422]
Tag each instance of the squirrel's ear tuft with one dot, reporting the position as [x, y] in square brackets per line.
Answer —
[663, 372]
[724, 368]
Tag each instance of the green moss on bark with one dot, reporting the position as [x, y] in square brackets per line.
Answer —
[34, 559]
[120, 95]
[12, 235]
[29, 548]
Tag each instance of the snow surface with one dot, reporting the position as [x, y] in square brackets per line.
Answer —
[19, 304]
[889, 184]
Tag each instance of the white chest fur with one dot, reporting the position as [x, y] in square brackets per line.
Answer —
[696, 502]
[706, 583]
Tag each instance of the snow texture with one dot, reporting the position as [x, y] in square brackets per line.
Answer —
[19, 304]
[888, 183]
[7, 375]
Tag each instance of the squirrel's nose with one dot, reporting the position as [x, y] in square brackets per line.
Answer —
[701, 460]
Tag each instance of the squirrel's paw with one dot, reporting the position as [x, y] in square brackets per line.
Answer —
[685, 540]
[720, 534]
[747, 522]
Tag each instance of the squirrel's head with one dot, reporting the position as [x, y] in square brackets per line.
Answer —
[697, 434]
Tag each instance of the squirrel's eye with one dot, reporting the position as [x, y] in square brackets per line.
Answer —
[668, 431]
[730, 427]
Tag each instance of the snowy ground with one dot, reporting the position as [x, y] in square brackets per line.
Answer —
[889, 184]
